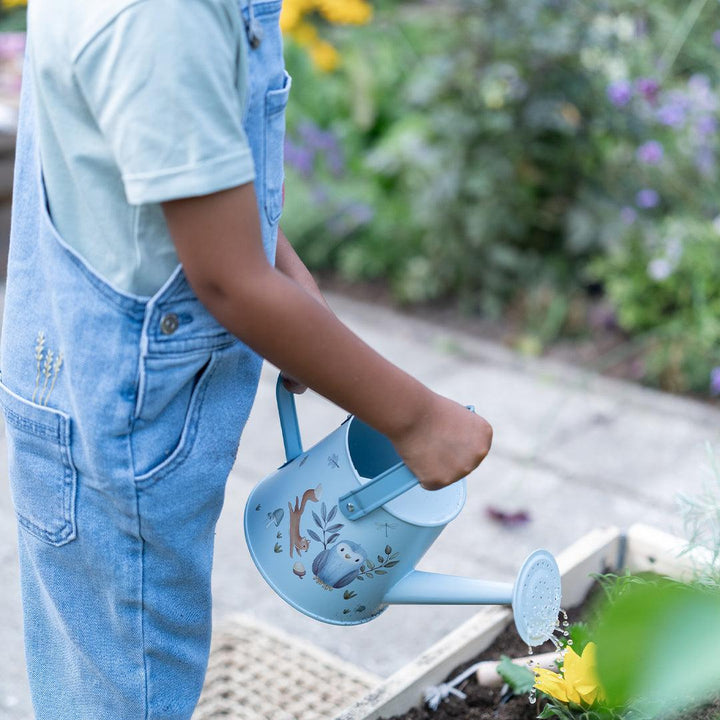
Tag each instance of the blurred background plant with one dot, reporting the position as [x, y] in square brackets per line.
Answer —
[13, 15]
[549, 162]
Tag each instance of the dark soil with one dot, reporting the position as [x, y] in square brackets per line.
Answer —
[489, 704]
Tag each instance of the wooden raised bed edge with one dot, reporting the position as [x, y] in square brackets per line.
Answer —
[640, 549]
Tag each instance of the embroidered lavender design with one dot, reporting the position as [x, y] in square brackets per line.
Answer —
[48, 366]
[56, 369]
[39, 346]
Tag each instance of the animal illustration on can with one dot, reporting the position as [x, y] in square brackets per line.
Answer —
[297, 541]
[338, 565]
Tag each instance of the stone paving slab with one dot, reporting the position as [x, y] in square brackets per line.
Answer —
[576, 450]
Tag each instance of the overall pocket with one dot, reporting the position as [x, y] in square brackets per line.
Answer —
[275, 103]
[169, 408]
[43, 479]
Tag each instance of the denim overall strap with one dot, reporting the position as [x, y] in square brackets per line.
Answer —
[123, 416]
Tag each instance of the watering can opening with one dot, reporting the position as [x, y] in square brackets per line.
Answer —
[371, 454]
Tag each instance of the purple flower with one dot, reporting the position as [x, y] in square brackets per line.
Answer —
[12, 45]
[706, 125]
[315, 137]
[647, 198]
[701, 93]
[648, 88]
[299, 157]
[620, 92]
[628, 215]
[650, 153]
[715, 381]
[674, 110]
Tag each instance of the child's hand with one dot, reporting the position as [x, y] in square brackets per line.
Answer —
[447, 443]
[292, 385]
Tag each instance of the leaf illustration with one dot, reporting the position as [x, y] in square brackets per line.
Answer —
[381, 559]
[346, 611]
[323, 511]
[360, 608]
[393, 556]
[336, 527]
[392, 563]
[380, 572]
[257, 507]
[314, 535]
[333, 538]
[349, 594]
[370, 565]
[317, 520]
[277, 548]
[332, 513]
[388, 549]
[279, 535]
[369, 574]
[359, 577]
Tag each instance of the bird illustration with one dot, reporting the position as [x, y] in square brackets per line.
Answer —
[339, 564]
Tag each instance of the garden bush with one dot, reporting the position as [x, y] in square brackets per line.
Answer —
[494, 152]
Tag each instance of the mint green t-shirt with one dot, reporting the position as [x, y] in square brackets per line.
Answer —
[138, 102]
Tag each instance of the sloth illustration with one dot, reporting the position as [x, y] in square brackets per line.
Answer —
[339, 565]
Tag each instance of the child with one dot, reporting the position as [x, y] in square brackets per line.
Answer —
[151, 135]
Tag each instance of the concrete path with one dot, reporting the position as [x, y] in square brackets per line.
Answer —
[577, 451]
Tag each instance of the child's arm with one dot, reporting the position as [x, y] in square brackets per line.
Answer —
[288, 263]
[218, 240]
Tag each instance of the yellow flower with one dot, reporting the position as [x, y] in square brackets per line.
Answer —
[578, 683]
[8, 4]
[324, 55]
[345, 12]
[293, 22]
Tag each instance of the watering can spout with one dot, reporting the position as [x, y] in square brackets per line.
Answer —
[424, 588]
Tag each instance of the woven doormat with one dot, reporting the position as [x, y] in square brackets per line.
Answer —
[257, 672]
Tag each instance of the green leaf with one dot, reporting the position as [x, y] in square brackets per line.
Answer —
[520, 679]
[581, 635]
[658, 646]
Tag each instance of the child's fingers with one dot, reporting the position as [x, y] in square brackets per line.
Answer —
[292, 385]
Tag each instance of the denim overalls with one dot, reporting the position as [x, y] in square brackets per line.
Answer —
[123, 418]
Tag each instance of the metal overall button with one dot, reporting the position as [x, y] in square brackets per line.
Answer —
[169, 323]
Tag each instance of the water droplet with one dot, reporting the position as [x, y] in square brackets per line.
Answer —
[530, 650]
[569, 642]
[565, 633]
[565, 623]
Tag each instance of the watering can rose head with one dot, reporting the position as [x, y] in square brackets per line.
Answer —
[577, 683]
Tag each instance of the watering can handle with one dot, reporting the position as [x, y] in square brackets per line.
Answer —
[288, 421]
[363, 500]
[376, 492]
[380, 490]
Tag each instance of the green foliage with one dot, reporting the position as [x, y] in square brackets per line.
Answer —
[556, 709]
[520, 679]
[507, 154]
[13, 19]
[701, 516]
[658, 647]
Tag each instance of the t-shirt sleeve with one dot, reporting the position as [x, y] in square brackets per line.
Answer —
[166, 83]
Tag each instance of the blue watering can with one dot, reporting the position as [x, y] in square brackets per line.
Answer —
[338, 529]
